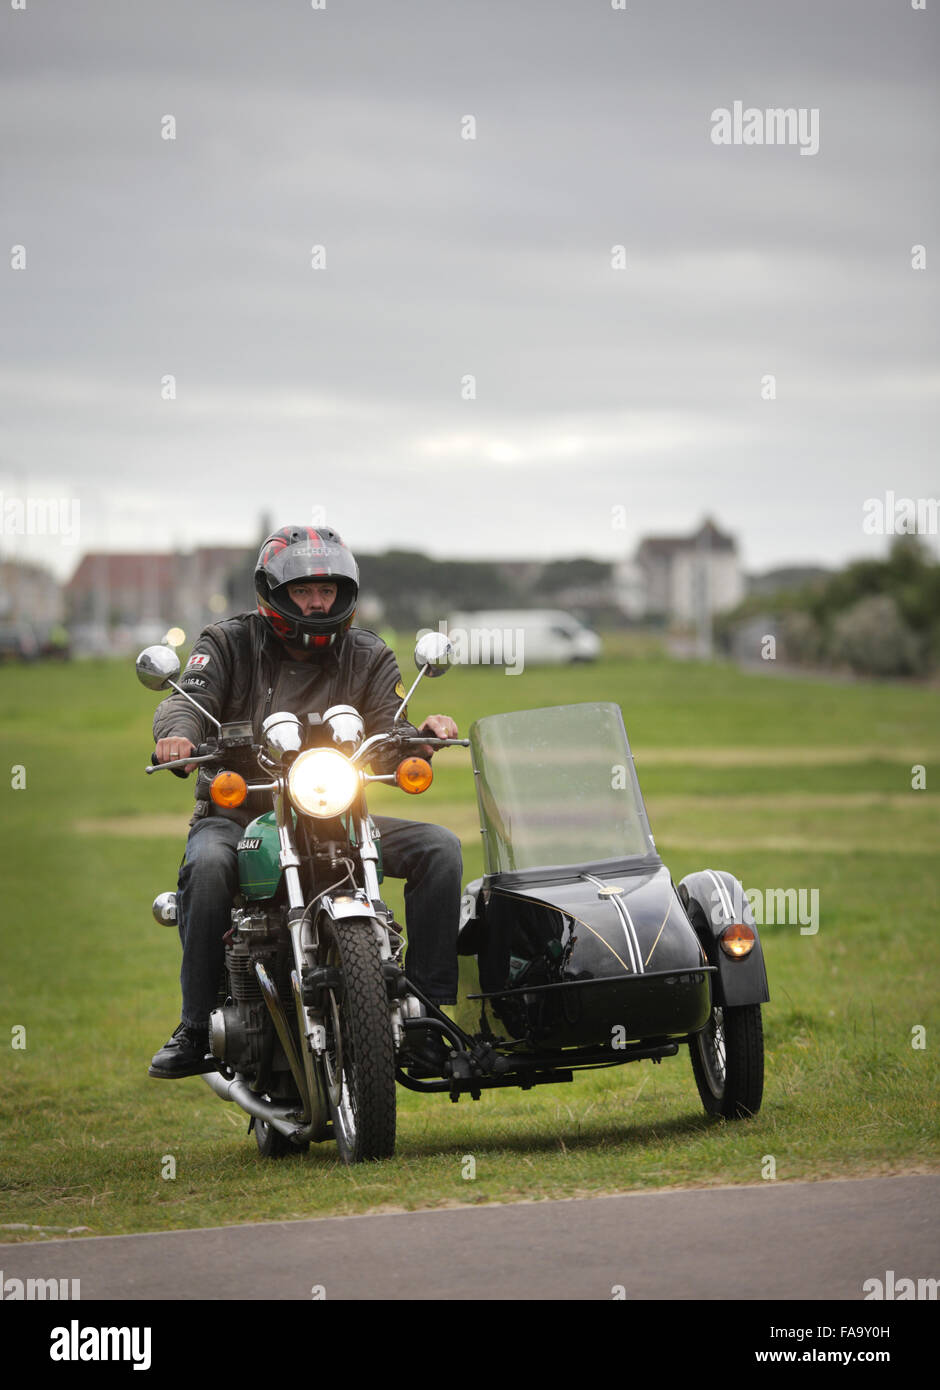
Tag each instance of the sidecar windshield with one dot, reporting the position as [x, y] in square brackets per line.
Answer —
[557, 786]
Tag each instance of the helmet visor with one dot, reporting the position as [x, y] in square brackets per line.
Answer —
[311, 557]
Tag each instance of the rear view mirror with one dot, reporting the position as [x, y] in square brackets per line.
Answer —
[157, 667]
[433, 652]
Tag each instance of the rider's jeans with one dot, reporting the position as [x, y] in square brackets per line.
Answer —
[428, 857]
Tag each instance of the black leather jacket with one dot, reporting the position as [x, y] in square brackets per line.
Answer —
[232, 672]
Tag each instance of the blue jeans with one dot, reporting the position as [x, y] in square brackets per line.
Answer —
[428, 857]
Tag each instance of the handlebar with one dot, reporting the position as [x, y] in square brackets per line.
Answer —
[203, 754]
[437, 742]
[207, 753]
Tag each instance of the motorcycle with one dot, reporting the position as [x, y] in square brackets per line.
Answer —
[588, 955]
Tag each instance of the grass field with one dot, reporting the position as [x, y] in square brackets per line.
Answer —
[786, 782]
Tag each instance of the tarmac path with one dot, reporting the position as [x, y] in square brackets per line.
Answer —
[820, 1241]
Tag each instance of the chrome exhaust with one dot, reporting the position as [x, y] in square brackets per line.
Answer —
[283, 1032]
[283, 1118]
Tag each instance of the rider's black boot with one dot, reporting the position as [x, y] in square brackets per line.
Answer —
[184, 1055]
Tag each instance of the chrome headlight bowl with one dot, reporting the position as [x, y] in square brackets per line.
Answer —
[345, 725]
[282, 734]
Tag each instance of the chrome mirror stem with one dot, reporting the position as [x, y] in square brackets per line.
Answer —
[199, 707]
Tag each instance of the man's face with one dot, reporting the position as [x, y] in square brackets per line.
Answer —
[312, 596]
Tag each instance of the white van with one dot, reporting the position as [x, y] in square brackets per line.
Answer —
[517, 637]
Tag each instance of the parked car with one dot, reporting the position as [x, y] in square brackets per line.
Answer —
[18, 642]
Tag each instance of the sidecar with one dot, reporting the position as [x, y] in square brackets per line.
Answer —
[588, 953]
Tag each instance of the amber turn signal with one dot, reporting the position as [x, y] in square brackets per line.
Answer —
[228, 789]
[414, 775]
[737, 940]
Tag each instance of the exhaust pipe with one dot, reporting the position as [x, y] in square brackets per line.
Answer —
[283, 1118]
[280, 1023]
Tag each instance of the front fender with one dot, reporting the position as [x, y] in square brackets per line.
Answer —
[353, 904]
[713, 899]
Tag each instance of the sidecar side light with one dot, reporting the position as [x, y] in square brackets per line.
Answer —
[228, 789]
[737, 941]
[414, 775]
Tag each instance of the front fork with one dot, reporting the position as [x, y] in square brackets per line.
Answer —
[351, 902]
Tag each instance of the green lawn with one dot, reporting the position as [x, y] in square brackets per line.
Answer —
[723, 763]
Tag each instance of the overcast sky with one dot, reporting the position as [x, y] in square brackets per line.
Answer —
[615, 395]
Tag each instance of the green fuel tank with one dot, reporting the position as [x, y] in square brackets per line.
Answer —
[259, 850]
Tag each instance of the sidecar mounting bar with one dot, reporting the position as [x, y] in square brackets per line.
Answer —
[435, 1018]
[538, 1071]
[475, 1084]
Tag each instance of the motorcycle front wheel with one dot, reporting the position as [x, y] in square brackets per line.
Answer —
[728, 1061]
[359, 1061]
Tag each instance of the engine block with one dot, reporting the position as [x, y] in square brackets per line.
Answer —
[241, 1033]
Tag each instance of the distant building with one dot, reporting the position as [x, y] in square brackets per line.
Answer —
[680, 578]
[121, 589]
[629, 589]
[29, 594]
[128, 591]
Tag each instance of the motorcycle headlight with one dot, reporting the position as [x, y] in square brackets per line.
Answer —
[323, 783]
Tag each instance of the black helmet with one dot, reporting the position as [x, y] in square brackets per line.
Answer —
[295, 553]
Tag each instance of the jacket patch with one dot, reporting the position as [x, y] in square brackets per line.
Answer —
[195, 681]
[197, 662]
[400, 690]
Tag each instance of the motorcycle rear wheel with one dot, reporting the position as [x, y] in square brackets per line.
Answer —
[272, 1143]
[359, 1062]
[728, 1061]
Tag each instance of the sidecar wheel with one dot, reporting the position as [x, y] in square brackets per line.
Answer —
[728, 1061]
[359, 1062]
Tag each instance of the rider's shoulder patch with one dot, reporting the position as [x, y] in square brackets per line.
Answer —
[400, 690]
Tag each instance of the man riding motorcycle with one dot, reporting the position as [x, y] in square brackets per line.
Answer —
[297, 653]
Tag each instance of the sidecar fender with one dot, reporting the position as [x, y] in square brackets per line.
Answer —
[713, 899]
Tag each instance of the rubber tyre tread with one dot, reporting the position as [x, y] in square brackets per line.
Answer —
[365, 1021]
[271, 1142]
[744, 1065]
